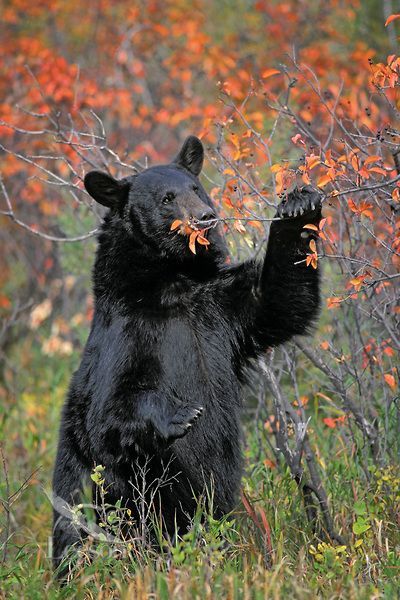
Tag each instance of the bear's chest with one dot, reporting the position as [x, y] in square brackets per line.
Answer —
[182, 352]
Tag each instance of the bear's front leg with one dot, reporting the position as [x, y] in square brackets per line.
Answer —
[288, 288]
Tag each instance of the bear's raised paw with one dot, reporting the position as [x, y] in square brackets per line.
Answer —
[301, 204]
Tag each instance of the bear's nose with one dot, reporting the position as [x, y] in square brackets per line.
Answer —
[205, 214]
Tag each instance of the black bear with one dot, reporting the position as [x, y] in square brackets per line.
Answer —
[171, 334]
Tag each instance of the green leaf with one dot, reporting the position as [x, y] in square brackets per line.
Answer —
[360, 507]
[360, 526]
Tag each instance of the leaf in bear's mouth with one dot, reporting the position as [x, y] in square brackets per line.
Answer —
[176, 224]
[198, 236]
[195, 235]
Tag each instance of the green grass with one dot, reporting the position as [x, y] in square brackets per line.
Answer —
[224, 560]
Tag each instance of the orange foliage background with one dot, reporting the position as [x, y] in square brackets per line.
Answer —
[280, 92]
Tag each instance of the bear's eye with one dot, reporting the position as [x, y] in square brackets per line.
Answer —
[168, 198]
[196, 188]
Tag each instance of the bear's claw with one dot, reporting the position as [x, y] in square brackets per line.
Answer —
[182, 421]
[300, 202]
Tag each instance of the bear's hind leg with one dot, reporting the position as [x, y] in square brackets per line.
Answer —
[67, 487]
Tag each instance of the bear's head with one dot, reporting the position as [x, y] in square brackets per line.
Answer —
[144, 206]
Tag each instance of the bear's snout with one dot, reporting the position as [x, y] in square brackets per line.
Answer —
[196, 210]
[204, 214]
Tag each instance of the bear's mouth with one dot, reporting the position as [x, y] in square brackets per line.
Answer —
[205, 226]
[196, 231]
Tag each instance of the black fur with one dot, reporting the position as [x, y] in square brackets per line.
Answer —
[171, 334]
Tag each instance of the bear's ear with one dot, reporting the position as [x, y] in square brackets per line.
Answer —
[191, 155]
[105, 189]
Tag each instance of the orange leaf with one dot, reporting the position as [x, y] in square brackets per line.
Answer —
[257, 225]
[391, 18]
[390, 380]
[192, 241]
[312, 161]
[331, 423]
[202, 240]
[303, 401]
[311, 226]
[388, 351]
[269, 72]
[333, 302]
[371, 159]
[313, 246]
[323, 181]
[377, 170]
[175, 224]
[314, 261]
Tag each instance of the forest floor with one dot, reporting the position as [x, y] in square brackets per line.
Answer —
[233, 559]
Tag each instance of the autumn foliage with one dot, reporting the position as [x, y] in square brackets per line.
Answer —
[278, 102]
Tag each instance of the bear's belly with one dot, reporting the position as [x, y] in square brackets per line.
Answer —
[196, 363]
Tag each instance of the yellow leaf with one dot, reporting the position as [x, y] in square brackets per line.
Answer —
[311, 226]
[357, 280]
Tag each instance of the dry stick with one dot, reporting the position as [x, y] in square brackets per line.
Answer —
[364, 425]
[10, 213]
[6, 506]
[293, 457]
